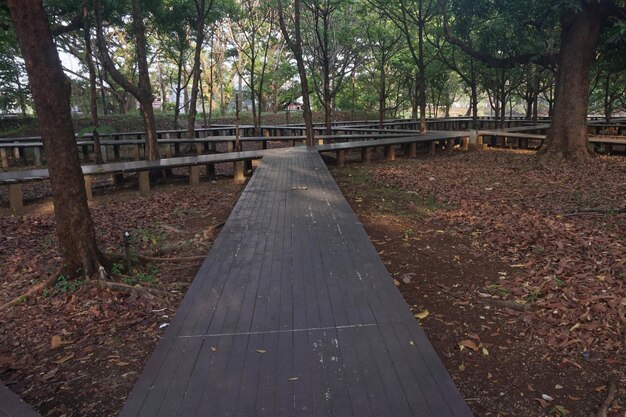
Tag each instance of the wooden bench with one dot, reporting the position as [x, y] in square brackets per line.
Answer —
[390, 144]
[15, 179]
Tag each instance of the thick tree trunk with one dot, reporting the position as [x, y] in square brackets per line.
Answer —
[51, 94]
[567, 137]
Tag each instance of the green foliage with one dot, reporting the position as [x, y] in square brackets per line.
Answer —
[142, 276]
[65, 284]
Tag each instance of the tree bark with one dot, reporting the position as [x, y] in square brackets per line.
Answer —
[191, 115]
[296, 48]
[93, 93]
[567, 136]
[143, 91]
[51, 94]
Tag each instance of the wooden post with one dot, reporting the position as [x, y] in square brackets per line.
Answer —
[137, 153]
[37, 153]
[194, 175]
[4, 158]
[449, 144]
[390, 152]
[238, 170]
[366, 155]
[230, 146]
[465, 143]
[341, 158]
[144, 183]
[432, 147]
[88, 190]
[103, 152]
[413, 150]
[16, 198]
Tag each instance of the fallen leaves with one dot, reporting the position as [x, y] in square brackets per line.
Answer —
[565, 266]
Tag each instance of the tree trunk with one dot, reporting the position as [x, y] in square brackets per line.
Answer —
[179, 77]
[93, 93]
[381, 96]
[296, 48]
[145, 96]
[567, 136]
[51, 94]
[191, 115]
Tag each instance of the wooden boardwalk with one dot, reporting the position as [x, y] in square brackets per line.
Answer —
[293, 314]
[13, 406]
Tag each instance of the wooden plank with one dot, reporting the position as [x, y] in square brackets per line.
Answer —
[293, 313]
[12, 406]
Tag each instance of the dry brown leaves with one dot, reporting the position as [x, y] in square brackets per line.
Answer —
[78, 352]
[559, 226]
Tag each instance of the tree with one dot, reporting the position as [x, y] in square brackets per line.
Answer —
[383, 42]
[408, 16]
[579, 24]
[332, 49]
[203, 9]
[51, 93]
[294, 42]
[253, 37]
[143, 91]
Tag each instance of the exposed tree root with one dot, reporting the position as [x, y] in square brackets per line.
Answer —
[147, 259]
[609, 399]
[149, 292]
[144, 259]
[34, 290]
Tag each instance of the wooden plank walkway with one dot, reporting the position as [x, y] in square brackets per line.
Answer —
[293, 314]
[12, 406]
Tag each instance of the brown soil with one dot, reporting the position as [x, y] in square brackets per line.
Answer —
[77, 349]
[461, 285]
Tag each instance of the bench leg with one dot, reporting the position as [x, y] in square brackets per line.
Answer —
[4, 159]
[366, 155]
[144, 183]
[88, 190]
[341, 158]
[194, 175]
[390, 153]
[465, 143]
[238, 170]
[449, 145]
[37, 152]
[16, 198]
[413, 150]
